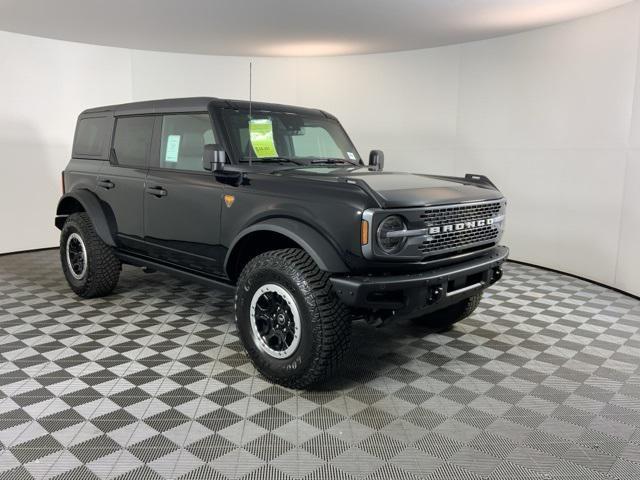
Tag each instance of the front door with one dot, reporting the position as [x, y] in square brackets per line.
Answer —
[182, 201]
[121, 182]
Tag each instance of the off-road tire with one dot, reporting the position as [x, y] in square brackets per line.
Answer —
[103, 267]
[443, 319]
[325, 331]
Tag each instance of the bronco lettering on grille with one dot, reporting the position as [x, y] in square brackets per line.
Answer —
[456, 227]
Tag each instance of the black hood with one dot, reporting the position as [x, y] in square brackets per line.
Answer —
[401, 190]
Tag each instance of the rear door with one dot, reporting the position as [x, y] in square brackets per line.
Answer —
[121, 182]
[182, 200]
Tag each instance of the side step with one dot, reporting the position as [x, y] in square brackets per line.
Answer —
[152, 265]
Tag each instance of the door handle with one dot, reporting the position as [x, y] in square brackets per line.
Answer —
[156, 191]
[106, 184]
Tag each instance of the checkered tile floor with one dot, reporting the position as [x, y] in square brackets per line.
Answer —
[543, 381]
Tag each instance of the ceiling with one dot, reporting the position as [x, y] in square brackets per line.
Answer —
[285, 27]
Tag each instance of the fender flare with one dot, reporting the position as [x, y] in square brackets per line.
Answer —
[102, 218]
[315, 244]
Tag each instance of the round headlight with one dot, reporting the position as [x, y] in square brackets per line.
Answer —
[391, 244]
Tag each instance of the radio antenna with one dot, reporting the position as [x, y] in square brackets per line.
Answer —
[251, 145]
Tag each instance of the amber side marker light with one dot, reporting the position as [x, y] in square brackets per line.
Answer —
[364, 232]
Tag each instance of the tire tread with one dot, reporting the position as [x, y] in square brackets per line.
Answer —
[332, 325]
[104, 266]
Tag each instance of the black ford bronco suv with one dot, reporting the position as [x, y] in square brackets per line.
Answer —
[274, 202]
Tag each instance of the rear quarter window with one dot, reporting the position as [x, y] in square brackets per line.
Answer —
[93, 136]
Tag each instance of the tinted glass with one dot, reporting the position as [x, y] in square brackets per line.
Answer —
[183, 141]
[315, 142]
[92, 136]
[132, 140]
[265, 135]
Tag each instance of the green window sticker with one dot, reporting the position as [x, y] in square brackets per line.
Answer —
[261, 135]
[173, 148]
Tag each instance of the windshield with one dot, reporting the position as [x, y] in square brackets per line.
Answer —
[283, 136]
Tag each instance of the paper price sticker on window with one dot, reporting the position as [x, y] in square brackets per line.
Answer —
[173, 148]
[261, 136]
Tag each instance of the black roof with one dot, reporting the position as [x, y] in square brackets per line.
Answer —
[191, 104]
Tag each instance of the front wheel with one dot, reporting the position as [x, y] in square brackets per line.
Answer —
[443, 319]
[290, 322]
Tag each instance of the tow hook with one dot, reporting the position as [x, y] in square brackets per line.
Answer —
[434, 294]
[496, 274]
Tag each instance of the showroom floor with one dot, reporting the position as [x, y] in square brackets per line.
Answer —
[543, 381]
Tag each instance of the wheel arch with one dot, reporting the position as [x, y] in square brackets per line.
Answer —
[279, 233]
[85, 201]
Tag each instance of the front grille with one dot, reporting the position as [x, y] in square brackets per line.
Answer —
[447, 241]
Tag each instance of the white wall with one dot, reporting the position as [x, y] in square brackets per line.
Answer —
[548, 116]
[551, 115]
[44, 84]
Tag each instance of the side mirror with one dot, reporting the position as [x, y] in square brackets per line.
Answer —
[376, 160]
[214, 157]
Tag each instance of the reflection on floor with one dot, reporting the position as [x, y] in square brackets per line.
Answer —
[543, 381]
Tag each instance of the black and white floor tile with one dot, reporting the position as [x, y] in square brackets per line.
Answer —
[542, 382]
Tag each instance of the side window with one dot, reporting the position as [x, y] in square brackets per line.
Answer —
[92, 136]
[132, 140]
[183, 139]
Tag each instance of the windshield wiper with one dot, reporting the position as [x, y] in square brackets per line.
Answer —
[332, 161]
[274, 160]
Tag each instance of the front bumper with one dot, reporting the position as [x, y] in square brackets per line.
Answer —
[415, 294]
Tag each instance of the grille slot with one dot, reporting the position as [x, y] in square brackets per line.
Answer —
[460, 239]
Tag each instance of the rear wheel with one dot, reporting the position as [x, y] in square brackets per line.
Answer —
[443, 319]
[291, 324]
[89, 265]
